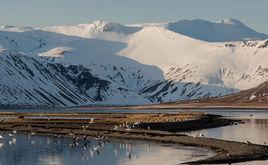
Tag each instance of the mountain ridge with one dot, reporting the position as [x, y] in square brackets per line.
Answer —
[137, 64]
[223, 31]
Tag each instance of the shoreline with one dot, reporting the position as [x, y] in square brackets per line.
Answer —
[104, 126]
[182, 106]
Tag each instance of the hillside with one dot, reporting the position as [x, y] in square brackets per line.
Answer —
[257, 95]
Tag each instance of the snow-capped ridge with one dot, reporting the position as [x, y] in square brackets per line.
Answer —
[222, 31]
[231, 21]
[95, 28]
[15, 28]
[99, 25]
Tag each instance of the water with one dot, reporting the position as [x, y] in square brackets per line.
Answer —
[44, 150]
[255, 129]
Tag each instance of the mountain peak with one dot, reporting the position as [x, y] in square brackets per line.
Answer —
[100, 25]
[223, 31]
[231, 21]
[105, 26]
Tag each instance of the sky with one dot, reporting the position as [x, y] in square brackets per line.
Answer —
[37, 13]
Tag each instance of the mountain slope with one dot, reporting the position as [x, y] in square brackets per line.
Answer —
[33, 81]
[257, 95]
[109, 63]
[238, 65]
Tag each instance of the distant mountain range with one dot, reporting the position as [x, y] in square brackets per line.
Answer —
[223, 31]
[111, 64]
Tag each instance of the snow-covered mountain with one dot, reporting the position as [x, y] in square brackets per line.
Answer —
[27, 80]
[223, 31]
[109, 63]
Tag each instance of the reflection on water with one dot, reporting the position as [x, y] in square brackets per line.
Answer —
[254, 129]
[40, 150]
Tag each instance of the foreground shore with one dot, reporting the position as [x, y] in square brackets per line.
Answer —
[153, 127]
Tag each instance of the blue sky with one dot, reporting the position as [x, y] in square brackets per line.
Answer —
[57, 12]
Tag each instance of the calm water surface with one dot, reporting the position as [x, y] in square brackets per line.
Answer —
[254, 129]
[40, 150]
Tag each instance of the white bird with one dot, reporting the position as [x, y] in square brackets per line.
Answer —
[14, 141]
[14, 131]
[96, 148]
[1, 145]
[32, 133]
[161, 115]
[57, 136]
[10, 143]
[137, 123]
[10, 134]
[194, 135]
[91, 120]
[116, 127]
[1, 136]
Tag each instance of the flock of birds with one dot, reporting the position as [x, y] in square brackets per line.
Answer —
[94, 150]
[10, 142]
[101, 140]
[127, 126]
